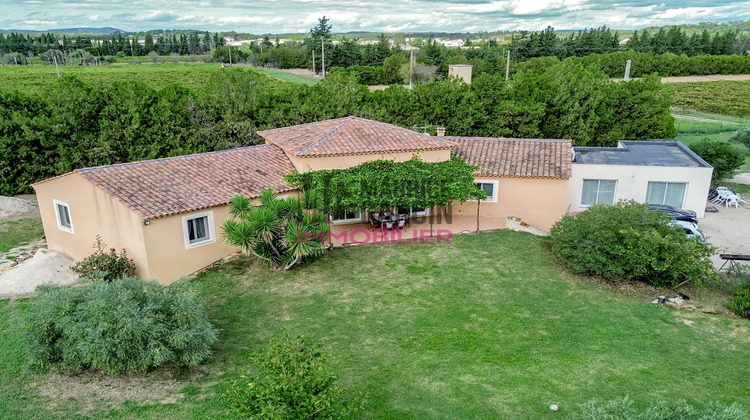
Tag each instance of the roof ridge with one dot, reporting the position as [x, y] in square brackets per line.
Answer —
[170, 158]
[472, 138]
[322, 139]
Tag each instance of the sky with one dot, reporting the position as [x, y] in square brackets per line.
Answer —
[289, 16]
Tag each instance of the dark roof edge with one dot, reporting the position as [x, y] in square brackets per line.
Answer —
[626, 143]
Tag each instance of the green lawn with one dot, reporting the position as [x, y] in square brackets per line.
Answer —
[289, 77]
[19, 232]
[487, 327]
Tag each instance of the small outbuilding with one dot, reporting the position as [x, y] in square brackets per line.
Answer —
[651, 172]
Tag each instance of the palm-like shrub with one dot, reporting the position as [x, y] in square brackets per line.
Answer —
[279, 231]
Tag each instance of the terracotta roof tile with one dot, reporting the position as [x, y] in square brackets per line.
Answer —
[163, 187]
[523, 158]
[350, 136]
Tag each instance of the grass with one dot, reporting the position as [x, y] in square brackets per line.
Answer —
[289, 77]
[36, 79]
[696, 123]
[488, 327]
[19, 232]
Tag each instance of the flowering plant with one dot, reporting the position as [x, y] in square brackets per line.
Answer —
[105, 265]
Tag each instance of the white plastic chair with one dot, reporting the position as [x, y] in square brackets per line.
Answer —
[733, 201]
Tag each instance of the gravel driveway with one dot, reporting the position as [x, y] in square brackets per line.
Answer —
[728, 230]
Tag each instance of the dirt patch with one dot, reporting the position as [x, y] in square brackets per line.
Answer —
[12, 208]
[728, 230]
[46, 266]
[92, 390]
[298, 72]
[711, 78]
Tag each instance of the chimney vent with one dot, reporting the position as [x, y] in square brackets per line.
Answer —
[441, 131]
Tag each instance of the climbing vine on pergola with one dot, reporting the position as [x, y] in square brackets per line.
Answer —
[385, 184]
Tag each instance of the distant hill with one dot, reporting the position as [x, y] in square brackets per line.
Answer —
[106, 30]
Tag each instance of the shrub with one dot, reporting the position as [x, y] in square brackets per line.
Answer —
[290, 380]
[724, 157]
[129, 326]
[628, 241]
[105, 265]
[742, 137]
[623, 409]
[740, 302]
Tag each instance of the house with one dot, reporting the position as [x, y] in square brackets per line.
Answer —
[652, 172]
[168, 212]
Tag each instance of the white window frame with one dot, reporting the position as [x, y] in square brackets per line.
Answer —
[614, 192]
[414, 213]
[209, 226]
[356, 219]
[666, 187]
[60, 226]
[495, 188]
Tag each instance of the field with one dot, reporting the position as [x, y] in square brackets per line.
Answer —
[487, 327]
[35, 79]
[721, 97]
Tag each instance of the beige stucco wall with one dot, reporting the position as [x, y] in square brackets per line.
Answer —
[168, 258]
[158, 249]
[540, 202]
[344, 162]
[92, 212]
[632, 183]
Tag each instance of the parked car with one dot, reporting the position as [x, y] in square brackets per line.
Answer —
[691, 229]
[678, 214]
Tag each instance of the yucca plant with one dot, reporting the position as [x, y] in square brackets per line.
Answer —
[278, 231]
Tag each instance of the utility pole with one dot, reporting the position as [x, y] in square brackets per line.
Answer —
[507, 67]
[323, 55]
[411, 69]
[627, 70]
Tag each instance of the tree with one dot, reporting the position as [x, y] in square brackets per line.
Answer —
[319, 40]
[148, 44]
[724, 157]
[278, 231]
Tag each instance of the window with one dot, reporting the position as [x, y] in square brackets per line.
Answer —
[669, 193]
[489, 187]
[198, 229]
[346, 217]
[64, 222]
[414, 211]
[598, 191]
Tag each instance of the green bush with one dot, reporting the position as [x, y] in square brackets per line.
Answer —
[742, 137]
[740, 302]
[290, 380]
[623, 409]
[105, 265]
[628, 241]
[126, 326]
[724, 157]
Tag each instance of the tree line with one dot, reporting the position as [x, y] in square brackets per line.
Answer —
[76, 125]
[20, 49]
[603, 40]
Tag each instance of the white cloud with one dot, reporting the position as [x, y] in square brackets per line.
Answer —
[274, 16]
